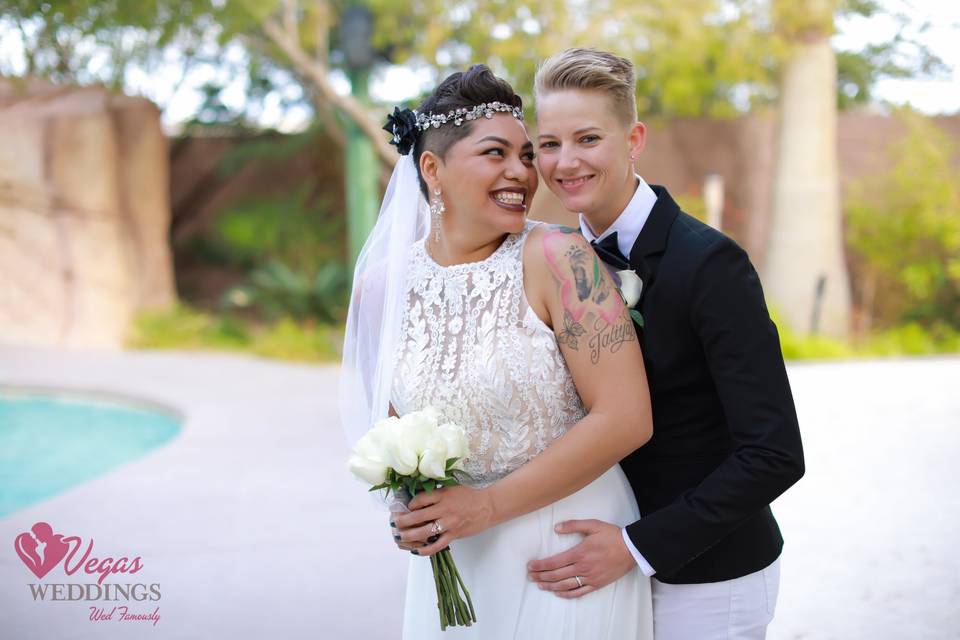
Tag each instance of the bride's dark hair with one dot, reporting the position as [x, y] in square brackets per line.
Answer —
[475, 86]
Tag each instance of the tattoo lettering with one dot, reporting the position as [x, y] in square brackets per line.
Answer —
[609, 338]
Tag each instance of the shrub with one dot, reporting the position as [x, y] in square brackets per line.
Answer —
[286, 339]
[904, 227]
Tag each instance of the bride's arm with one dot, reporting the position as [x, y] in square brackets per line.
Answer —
[567, 282]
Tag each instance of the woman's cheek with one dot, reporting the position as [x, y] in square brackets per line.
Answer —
[544, 165]
[533, 180]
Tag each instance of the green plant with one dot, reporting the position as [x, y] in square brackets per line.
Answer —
[796, 347]
[297, 230]
[693, 205]
[279, 291]
[288, 340]
[904, 226]
[910, 339]
[184, 328]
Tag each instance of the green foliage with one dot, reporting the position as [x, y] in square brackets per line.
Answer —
[906, 340]
[913, 339]
[290, 340]
[288, 229]
[797, 347]
[692, 205]
[859, 71]
[290, 247]
[905, 228]
[59, 36]
[693, 58]
[278, 291]
[186, 329]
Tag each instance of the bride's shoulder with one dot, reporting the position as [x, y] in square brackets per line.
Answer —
[546, 245]
[550, 252]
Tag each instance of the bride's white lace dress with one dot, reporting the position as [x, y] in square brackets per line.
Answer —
[472, 347]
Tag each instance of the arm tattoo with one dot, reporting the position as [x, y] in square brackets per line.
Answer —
[610, 338]
[578, 264]
[571, 331]
[585, 295]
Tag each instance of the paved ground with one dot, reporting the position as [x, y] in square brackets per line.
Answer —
[252, 528]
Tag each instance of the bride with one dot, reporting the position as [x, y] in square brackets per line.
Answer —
[514, 330]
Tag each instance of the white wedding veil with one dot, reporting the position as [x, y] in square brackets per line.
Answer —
[377, 302]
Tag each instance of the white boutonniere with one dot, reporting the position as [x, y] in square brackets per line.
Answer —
[631, 286]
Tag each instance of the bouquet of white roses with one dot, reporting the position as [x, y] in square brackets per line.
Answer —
[415, 453]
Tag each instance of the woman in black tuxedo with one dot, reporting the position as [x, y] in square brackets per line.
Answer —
[726, 441]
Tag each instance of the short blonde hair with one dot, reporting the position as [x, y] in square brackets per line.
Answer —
[591, 70]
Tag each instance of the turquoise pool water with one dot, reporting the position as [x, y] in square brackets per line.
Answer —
[51, 442]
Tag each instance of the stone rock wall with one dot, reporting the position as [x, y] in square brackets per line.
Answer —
[84, 214]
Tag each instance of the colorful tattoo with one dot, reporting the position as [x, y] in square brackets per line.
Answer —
[583, 286]
[586, 295]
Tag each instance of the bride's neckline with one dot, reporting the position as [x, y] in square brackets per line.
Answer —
[465, 265]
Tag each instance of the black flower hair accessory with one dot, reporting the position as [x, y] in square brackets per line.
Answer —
[402, 125]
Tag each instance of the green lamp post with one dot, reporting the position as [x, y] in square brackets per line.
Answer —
[360, 163]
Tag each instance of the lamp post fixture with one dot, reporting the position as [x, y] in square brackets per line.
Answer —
[360, 162]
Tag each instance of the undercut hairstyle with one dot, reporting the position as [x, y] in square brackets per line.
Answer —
[591, 70]
[475, 86]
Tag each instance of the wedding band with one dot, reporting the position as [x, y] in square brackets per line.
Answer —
[579, 581]
[436, 528]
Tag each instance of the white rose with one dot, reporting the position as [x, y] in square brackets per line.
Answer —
[367, 469]
[433, 464]
[630, 286]
[456, 441]
[416, 429]
[367, 461]
[397, 452]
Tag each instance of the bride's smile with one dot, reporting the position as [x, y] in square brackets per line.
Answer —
[486, 181]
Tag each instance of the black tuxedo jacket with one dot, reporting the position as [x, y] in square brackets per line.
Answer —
[725, 436]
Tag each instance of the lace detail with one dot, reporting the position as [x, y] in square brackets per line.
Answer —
[471, 346]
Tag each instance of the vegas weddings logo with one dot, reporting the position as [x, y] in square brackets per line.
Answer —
[42, 551]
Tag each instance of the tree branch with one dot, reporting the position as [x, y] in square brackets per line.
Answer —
[322, 49]
[290, 21]
[320, 76]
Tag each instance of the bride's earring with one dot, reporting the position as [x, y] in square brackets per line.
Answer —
[437, 209]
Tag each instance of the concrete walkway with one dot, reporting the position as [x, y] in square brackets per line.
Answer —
[253, 529]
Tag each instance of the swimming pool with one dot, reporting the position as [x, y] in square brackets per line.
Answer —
[51, 441]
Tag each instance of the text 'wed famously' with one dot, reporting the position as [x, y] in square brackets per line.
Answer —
[104, 586]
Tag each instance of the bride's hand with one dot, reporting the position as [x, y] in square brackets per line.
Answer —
[458, 512]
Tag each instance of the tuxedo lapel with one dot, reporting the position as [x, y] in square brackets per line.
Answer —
[650, 244]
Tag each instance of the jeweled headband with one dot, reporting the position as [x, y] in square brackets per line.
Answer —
[406, 124]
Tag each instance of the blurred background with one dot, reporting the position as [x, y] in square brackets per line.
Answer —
[184, 186]
[201, 174]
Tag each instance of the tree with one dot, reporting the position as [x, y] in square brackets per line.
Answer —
[905, 229]
[805, 267]
[692, 58]
[806, 275]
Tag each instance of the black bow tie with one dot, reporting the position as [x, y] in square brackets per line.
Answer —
[609, 251]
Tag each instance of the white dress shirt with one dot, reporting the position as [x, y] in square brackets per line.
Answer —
[630, 222]
[628, 226]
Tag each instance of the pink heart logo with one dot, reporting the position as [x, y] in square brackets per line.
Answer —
[41, 550]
